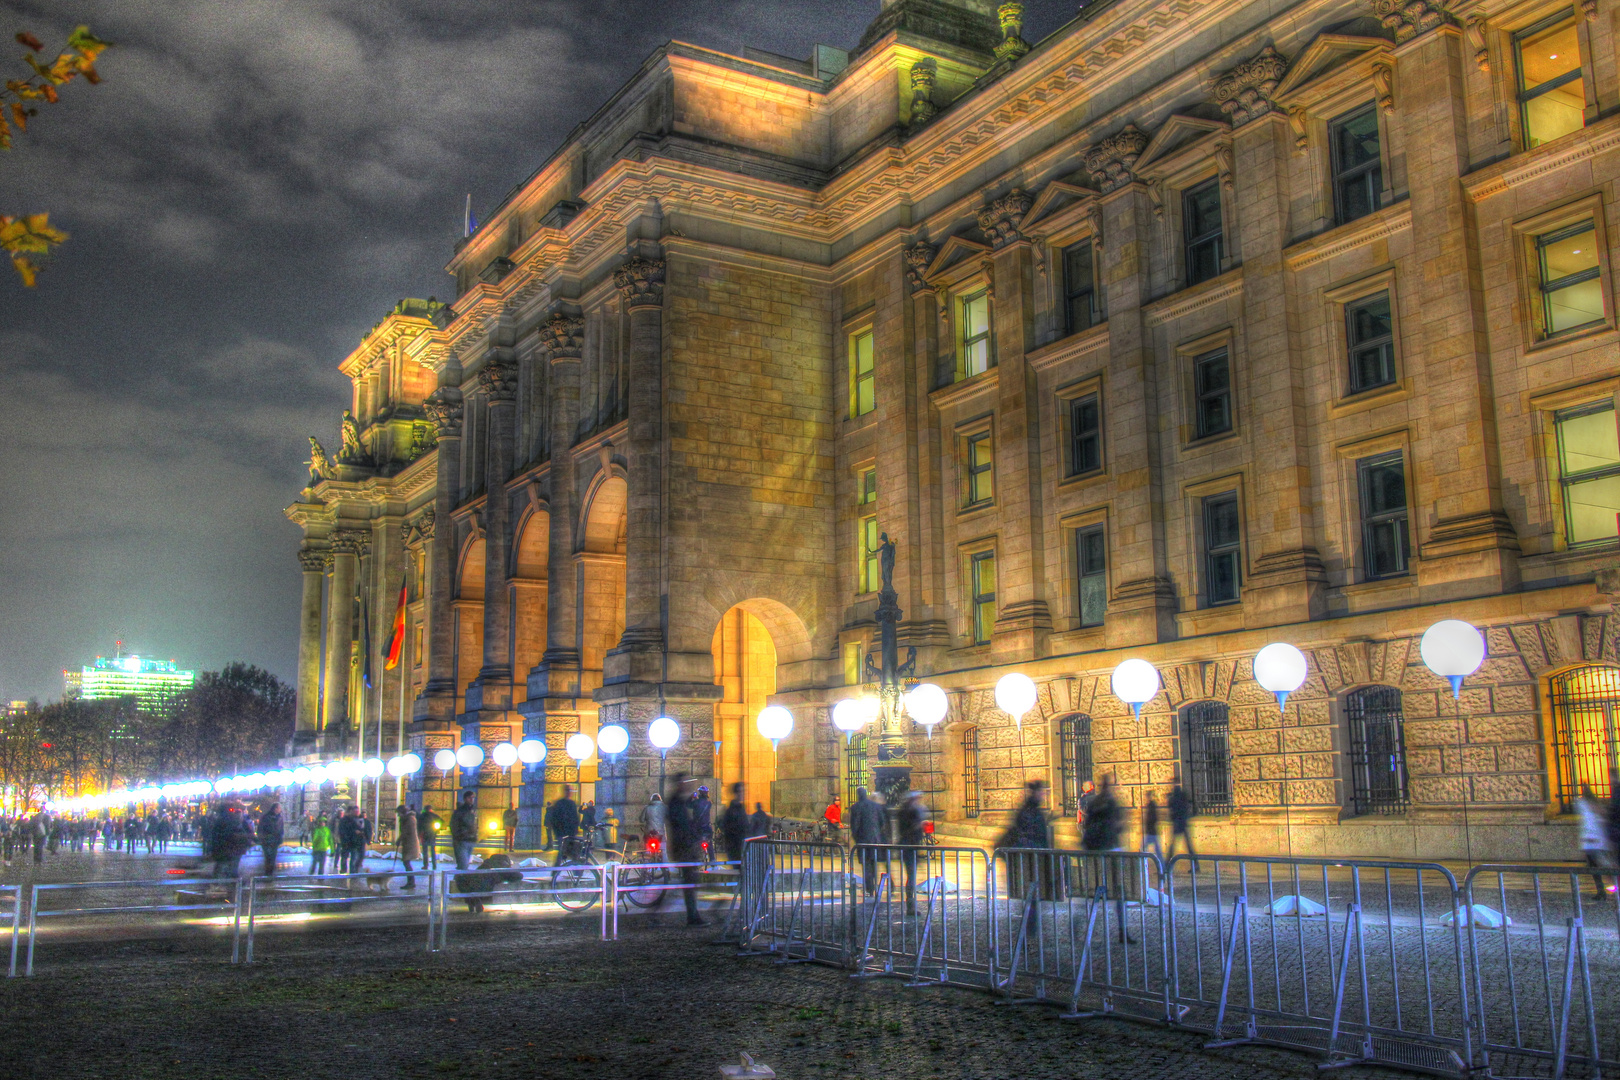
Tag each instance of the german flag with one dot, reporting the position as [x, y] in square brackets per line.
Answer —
[396, 633]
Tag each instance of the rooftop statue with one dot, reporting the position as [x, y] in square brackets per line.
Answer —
[321, 467]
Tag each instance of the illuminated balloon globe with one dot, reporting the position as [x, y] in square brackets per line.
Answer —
[613, 739]
[927, 705]
[374, 767]
[444, 760]
[775, 723]
[580, 746]
[470, 755]
[222, 785]
[1453, 650]
[849, 716]
[1281, 669]
[412, 763]
[505, 755]
[396, 767]
[1135, 682]
[531, 751]
[1015, 696]
[663, 733]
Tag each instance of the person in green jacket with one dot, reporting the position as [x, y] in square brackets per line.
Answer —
[320, 842]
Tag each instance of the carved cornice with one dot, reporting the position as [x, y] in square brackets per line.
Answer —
[419, 528]
[1601, 137]
[1188, 301]
[1110, 162]
[1406, 19]
[1245, 92]
[499, 382]
[563, 337]
[1375, 226]
[444, 408]
[1000, 219]
[919, 257]
[312, 560]
[641, 282]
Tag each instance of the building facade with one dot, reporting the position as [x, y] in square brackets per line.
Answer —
[156, 685]
[1192, 327]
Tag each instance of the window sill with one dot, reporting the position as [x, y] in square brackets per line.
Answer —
[1209, 440]
[963, 389]
[1574, 335]
[1070, 346]
[1080, 480]
[1378, 396]
[974, 508]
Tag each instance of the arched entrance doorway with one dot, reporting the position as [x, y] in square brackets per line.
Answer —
[745, 669]
[600, 570]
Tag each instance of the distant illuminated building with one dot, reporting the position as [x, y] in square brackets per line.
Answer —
[155, 684]
[15, 708]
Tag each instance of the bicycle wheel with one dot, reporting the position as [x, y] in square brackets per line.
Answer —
[640, 873]
[580, 875]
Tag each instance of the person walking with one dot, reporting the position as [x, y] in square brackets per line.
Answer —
[1181, 809]
[1031, 831]
[509, 823]
[271, 830]
[1150, 826]
[652, 818]
[407, 841]
[759, 822]
[911, 836]
[464, 831]
[231, 837]
[429, 826]
[320, 845]
[833, 818]
[351, 845]
[1594, 836]
[734, 825]
[685, 844]
[42, 830]
[867, 824]
[563, 821]
[1101, 836]
[704, 811]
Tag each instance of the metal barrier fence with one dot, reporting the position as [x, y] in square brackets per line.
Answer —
[801, 899]
[13, 895]
[230, 901]
[262, 895]
[574, 887]
[1542, 1007]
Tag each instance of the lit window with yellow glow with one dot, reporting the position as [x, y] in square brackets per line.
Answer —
[1589, 471]
[1552, 92]
[1571, 289]
[982, 572]
[1586, 708]
[862, 375]
[871, 576]
[975, 334]
[980, 464]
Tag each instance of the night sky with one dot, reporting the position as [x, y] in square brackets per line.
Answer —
[247, 192]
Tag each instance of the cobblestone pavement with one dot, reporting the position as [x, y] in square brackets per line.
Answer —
[542, 997]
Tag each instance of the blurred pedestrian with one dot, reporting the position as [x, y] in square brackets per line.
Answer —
[407, 840]
[509, 822]
[703, 810]
[320, 845]
[41, 830]
[1101, 836]
[1150, 826]
[734, 824]
[867, 824]
[231, 837]
[1031, 831]
[429, 827]
[351, 843]
[1088, 791]
[1181, 809]
[464, 831]
[271, 830]
[909, 832]
[652, 818]
[759, 822]
[563, 821]
[685, 844]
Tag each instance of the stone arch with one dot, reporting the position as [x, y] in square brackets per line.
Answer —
[604, 518]
[470, 570]
[1580, 720]
[469, 613]
[532, 549]
[531, 556]
[744, 656]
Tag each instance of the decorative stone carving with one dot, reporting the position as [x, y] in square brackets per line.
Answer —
[1406, 19]
[350, 542]
[924, 73]
[1110, 161]
[444, 408]
[321, 467]
[1095, 216]
[1156, 197]
[641, 282]
[1223, 164]
[1589, 9]
[999, 220]
[1245, 92]
[351, 452]
[1383, 77]
[312, 561]
[423, 439]
[1012, 45]
[498, 381]
[417, 529]
[1475, 28]
[1300, 121]
[988, 268]
[563, 336]
[919, 257]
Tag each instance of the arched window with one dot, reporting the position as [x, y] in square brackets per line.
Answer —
[1209, 757]
[1586, 709]
[970, 772]
[1377, 750]
[1074, 757]
[857, 773]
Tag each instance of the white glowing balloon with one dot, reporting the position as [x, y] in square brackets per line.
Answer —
[613, 739]
[396, 767]
[927, 705]
[580, 746]
[470, 755]
[1015, 696]
[531, 751]
[222, 785]
[317, 775]
[1453, 650]
[663, 733]
[1135, 682]
[849, 716]
[505, 755]
[412, 763]
[444, 760]
[1280, 668]
[774, 723]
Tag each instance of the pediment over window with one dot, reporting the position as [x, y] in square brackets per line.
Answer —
[1180, 140]
[1054, 198]
[953, 252]
[1330, 64]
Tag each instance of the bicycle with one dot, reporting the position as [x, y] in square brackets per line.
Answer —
[644, 870]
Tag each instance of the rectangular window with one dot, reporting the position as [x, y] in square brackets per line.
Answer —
[1085, 434]
[1589, 471]
[1384, 541]
[1079, 287]
[870, 575]
[1571, 294]
[1369, 332]
[1223, 549]
[970, 772]
[1091, 571]
[1201, 225]
[1358, 170]
[863, 379]
[867, 492]
[982, 570]
[981, 482]
[1552, 92]
[1212, 383]
[418, 652]
[976, 334]
[854, 654]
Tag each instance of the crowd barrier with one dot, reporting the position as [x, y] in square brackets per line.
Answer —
[228, 902]
[298, 893]
[1357, 961]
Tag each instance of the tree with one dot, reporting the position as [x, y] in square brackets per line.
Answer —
[25, 237]
[239, 718]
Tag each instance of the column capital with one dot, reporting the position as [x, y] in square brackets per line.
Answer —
[419, 528]
[498, 381]
[350, 542]
[1406, 19]
[444, 408]
[563, 337]
[1244, 93]
[1111, 161]
[313, 560]
[999, 220]
[919, 257]
[641, 282]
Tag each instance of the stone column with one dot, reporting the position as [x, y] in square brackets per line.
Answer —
[493, 689]
[554, 682]
[438, 699]
[920, 565]
[346, 549]
[641, 284]
[309, 649]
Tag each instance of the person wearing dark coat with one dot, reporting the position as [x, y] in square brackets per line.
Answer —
[562, 818]
[734, 824]
[464, 830]
[704, 811]
[1101, 834]
[230, 837]
[759, 822]
[1030, 830]
[867, 824]
[428, 827]
[351, 842]
[908, 824]
[685, 843]
[1180, 806]
[271, 830]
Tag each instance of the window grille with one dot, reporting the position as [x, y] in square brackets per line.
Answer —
[1586, 708]
[1074, 757]
[970, 771]
[1377, 750]
[857, 773]
[1209, 757]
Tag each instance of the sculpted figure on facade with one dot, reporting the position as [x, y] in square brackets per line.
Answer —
[351, 452]
[999, 220]
[641, 282]
[1110, 162]
[321, 467]
[1013, 45]
[924, 73]
[1245, 92]
[919, 257]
